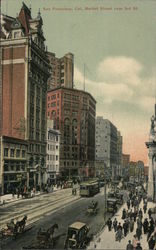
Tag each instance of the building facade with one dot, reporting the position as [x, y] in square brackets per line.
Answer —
[73, 112]
[151, 145]
[119, 154]
[62, 71]
[14, 163]
[125, 160]
[106, 145]
[53, 154]
[23, 88]
[125, 165]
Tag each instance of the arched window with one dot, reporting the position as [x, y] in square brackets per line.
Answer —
[66, 131]
[74, 131]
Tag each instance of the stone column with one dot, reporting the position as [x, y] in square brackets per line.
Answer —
[150, 175]
[27, 178]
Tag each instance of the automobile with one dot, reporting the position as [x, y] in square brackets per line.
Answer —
[111, 205]
[119, 198]
[111, 194]
[77, 236]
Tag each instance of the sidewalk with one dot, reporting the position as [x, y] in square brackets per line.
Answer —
[106, 239]
[8, 198]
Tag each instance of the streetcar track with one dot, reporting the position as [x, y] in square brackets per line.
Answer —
[36, 209]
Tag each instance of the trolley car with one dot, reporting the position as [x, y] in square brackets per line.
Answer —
[89, 188]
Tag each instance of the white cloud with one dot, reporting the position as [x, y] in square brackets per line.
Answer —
[115, 69]
[147, 102]
[120, 80]
[107, 91]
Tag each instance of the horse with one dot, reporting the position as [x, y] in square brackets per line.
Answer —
[20, 225]
[51, 230]
[45, 236]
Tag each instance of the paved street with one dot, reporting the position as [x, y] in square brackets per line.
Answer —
[59, 207]
[36, 207]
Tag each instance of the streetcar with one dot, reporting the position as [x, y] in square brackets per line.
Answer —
[89, 188]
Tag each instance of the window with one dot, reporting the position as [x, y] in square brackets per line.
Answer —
[53, 97]
[6, 166]
[18, 167]
[56, 147]
[16, 34]
[17, 153]
[23, 153]
[6, 152]
[56, 157]
[53, 104]
[23, 167]
[12, 167]
[12, 151]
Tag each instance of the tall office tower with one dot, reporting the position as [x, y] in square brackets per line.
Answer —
[24, 73]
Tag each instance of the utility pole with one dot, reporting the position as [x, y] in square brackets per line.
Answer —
[84, 76]
[105, 195]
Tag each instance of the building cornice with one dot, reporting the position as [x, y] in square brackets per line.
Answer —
[72, 90]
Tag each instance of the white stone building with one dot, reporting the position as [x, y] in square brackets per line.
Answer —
[151, 145]
[53, 153]
[108, 145]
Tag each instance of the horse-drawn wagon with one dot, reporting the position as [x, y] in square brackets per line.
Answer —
[92, 208]
[12, 229]
[44, 240]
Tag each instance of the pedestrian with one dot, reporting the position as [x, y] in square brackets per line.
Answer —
[145, 208]
[119, 234]
[109, 224]
[150, 229]
[149, 213]
[128, 204]
[125, 228]
[119, 226]
[123, 213]
[151, 243]
[145, 225]
[128, 225]
[129, 245]
[138, 247]
[130, 214]
[138, 232]
[135, 215]
[131, 225]
[115, 223]
[18, 192]
[139, 222]
[33, 191]
[140, 213]
[134, 241]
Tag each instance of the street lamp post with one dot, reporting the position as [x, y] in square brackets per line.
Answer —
[105, 194]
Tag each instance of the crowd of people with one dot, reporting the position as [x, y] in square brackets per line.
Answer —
[137, 220]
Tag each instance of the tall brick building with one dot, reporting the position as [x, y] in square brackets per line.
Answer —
[24, 73]
[62, 71]
[73, 112]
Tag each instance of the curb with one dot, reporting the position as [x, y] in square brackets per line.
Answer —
[22, 199]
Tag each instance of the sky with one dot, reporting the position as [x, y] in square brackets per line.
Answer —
[116, 41]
